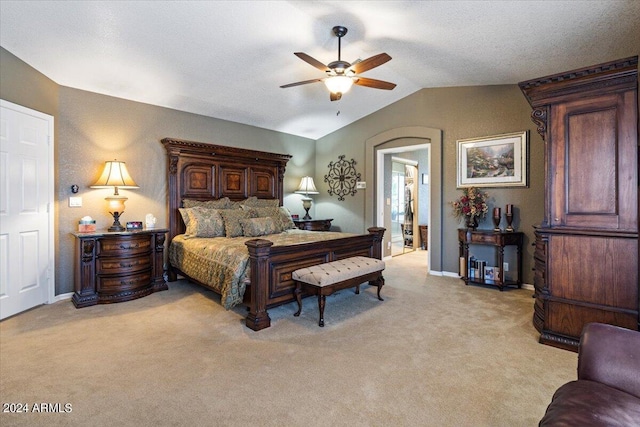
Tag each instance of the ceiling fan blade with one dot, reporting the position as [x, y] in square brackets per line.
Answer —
[301, 83]
[335, 96]
[369, 63]
[377, 84]
[306, 58]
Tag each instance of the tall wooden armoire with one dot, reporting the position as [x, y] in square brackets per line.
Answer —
[586, 254]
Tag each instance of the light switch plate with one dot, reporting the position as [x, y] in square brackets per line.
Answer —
[361, 185]
[75, 202]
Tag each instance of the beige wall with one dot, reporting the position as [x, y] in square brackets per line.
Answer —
[460, 112]
[23, 85]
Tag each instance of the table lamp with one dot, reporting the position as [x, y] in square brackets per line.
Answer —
[307, 187]
[116, 175]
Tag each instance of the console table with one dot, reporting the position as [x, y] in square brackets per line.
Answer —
[313, 224]
[118, 266]
[498, 239]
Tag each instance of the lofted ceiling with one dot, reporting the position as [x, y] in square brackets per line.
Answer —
[228, 59]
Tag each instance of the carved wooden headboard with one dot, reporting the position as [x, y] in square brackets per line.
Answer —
[209, 172]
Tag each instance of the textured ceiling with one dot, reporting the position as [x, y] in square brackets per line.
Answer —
[227, 59]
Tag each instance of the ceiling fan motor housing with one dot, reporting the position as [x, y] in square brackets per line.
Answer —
[338, 66]
[339, 30]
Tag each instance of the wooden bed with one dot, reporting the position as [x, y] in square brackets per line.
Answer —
[202, 171]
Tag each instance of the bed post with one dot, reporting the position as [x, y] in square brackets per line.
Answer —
[259, 250]
[378, 233]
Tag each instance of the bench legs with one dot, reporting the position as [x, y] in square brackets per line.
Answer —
[321, 302]
[298, 293]
[322, 295]
[379, 283]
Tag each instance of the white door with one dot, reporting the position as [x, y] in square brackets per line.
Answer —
[26, 216]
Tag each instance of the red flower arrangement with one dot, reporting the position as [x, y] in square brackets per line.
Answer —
[471, 206]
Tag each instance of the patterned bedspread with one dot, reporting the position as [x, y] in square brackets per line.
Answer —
[223, 263]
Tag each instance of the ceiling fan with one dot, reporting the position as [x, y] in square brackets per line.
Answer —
[341, 75]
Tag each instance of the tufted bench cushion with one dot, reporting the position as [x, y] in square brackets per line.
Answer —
[325, 279]
[338, 271]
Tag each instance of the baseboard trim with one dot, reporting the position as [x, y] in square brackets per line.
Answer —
[62, 297]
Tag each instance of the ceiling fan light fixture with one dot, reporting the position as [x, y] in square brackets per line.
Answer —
[338, 84]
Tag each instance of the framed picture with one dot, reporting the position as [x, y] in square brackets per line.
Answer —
[489, 273]
[494, 161]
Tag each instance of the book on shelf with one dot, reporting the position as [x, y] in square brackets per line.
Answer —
[476, 268]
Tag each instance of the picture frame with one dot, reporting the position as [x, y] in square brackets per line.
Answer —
[494, 161]
[489, 273]
[134, 225]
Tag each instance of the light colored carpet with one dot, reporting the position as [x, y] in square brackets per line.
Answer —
[434, 353]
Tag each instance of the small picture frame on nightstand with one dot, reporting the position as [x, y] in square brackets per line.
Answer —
[134, 225]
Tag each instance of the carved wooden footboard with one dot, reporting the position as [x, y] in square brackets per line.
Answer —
[272, 266]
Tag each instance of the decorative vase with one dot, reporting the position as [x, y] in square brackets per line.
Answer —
[509, 217]
[496, 219]
[472, 222]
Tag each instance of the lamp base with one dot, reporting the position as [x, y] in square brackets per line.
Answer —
[116, 226]
[306, 204]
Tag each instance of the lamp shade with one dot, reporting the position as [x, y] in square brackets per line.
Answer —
[307, 186]
[338, 84]
[115, 174]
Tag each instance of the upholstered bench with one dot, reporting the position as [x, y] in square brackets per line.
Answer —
[325, 279]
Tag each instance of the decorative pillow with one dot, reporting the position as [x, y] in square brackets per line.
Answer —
[285, 218]
[204, 222]
[253, 227]
[280, 214]
[265, 212]
[185, 216]
[232, 218]
[223, 203]
[254, 202]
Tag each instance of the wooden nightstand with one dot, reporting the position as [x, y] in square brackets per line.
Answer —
[313, 224]
[117, 267]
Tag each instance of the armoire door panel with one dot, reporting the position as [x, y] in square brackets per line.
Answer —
[598, 270]
[591, 164]
[590, 176]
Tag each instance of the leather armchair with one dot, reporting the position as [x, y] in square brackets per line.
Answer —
[607, 392]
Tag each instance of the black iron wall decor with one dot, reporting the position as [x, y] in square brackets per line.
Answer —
[342, 177]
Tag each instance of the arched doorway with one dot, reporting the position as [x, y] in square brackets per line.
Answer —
[406, 138]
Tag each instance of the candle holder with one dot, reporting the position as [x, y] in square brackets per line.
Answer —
[509, 217]
[496, 219]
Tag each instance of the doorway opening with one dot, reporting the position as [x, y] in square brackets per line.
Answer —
[403, 196]
[403, 205]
